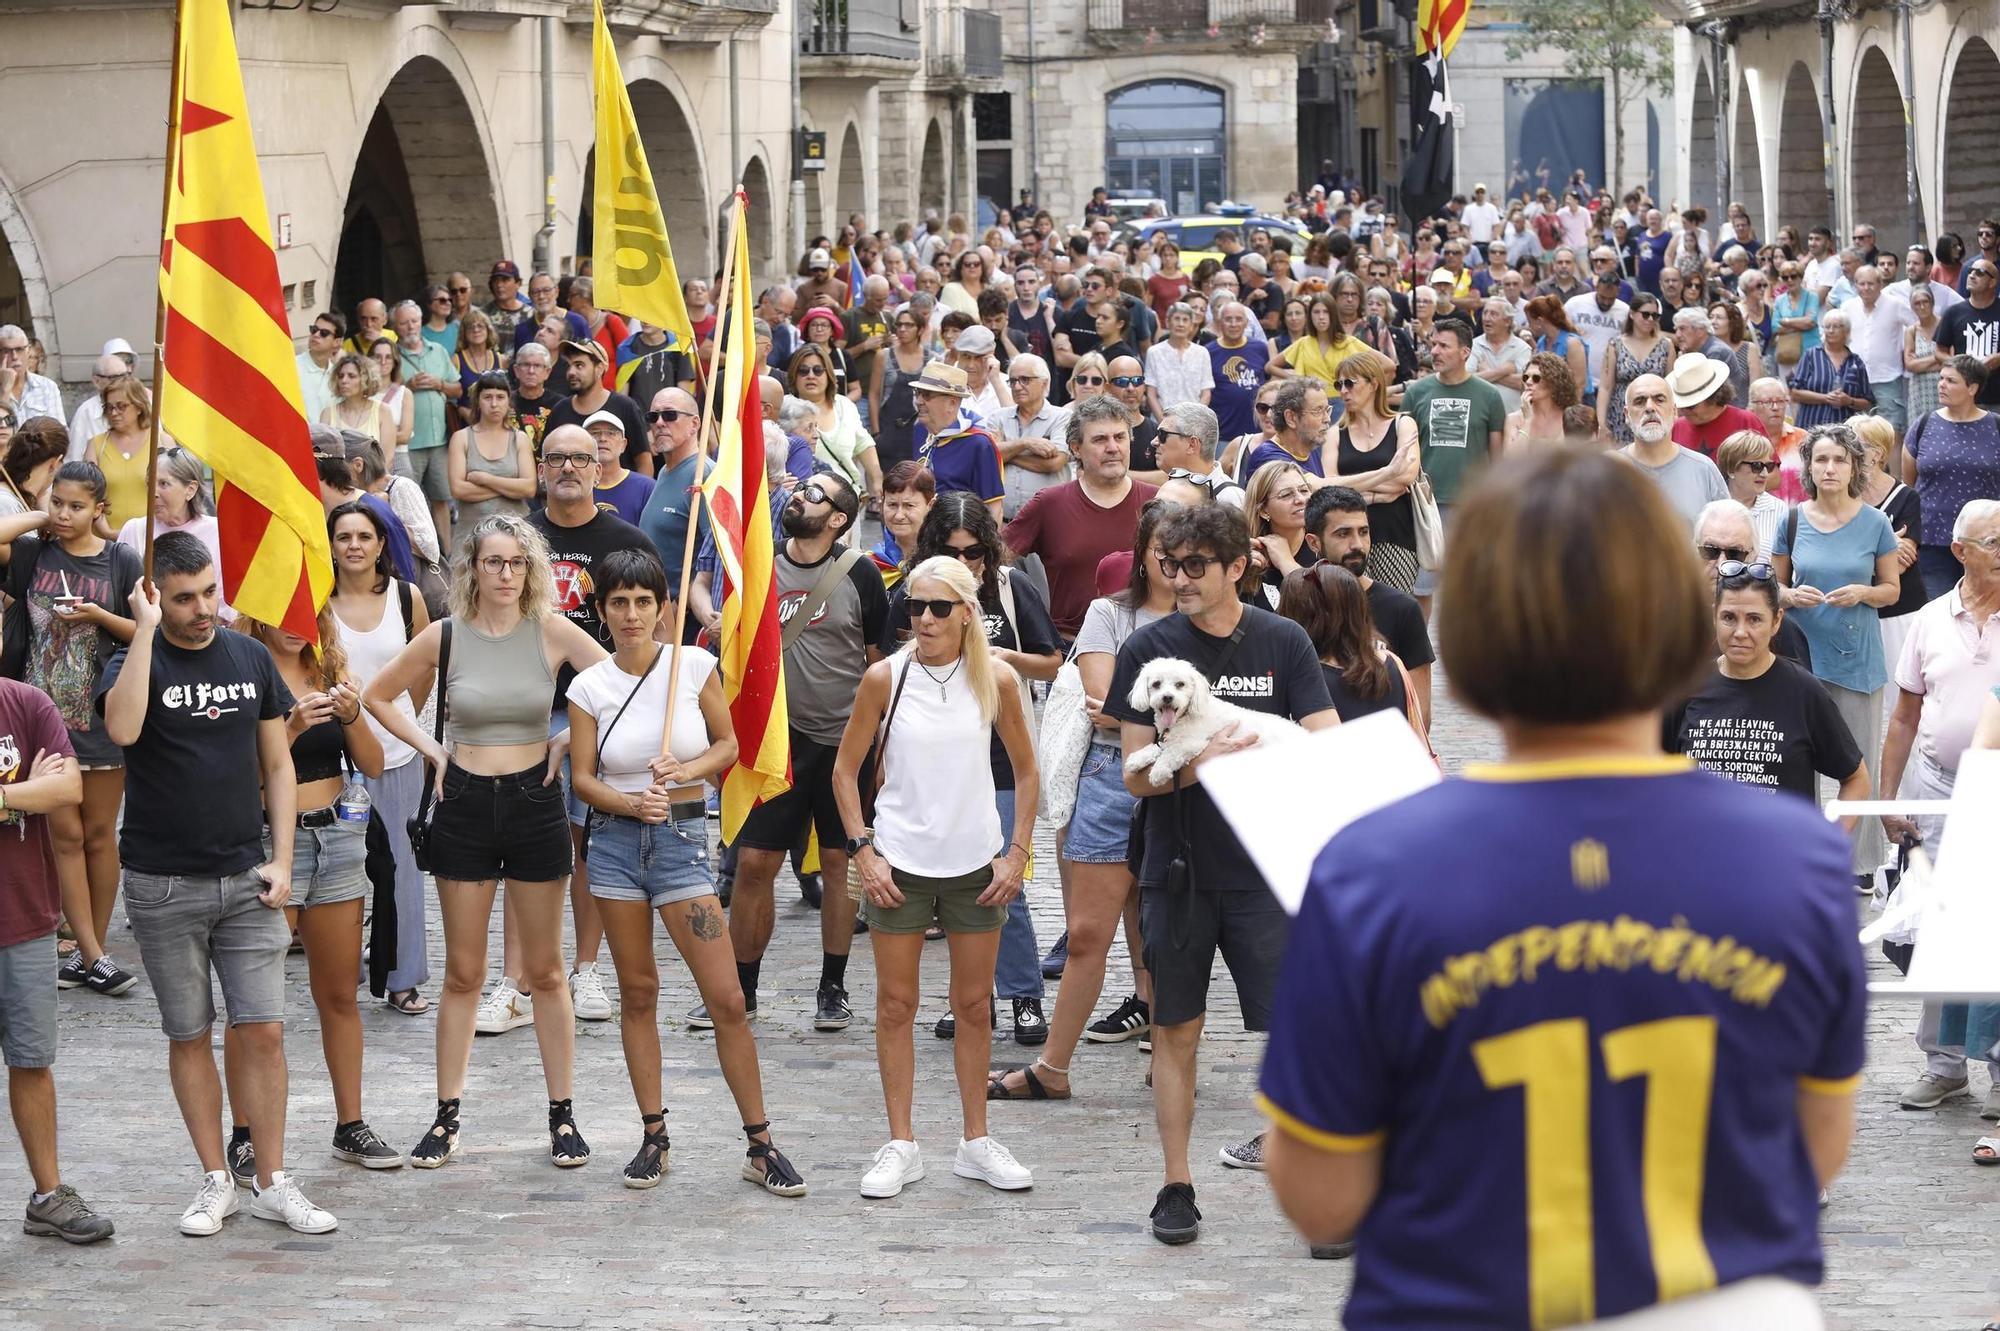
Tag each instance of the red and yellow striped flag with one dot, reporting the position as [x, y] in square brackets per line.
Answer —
[231, 386]
[739, 510]
[1439, 23]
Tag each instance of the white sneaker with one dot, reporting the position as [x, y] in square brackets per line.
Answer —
[895, 1164]
[503, 1010]
[988, 1161]
[215, 1203]
[286, 1204]
[587, 996]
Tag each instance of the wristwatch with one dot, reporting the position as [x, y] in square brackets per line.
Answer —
[855, 845]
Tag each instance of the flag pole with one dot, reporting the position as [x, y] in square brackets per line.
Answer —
[160, 290]
[709, 420]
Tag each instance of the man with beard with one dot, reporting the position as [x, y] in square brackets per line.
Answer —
[583, 362]
[1337, 529]
[833, 610]
[1299, 419]
[1689, 480]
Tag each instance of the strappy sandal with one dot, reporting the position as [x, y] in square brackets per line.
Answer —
[408, 1002]
[1032, 1087]
[566, 1145]
[441, 1142]
[776, 1175]
[650, 1165]
[1991, 1147]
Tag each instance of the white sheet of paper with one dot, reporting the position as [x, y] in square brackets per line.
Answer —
[1287, 800]
[1954, 959]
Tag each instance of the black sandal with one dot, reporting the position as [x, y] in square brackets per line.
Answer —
[566, 1145]
[441, 1142]
[777, 1176]
[650, 1165]
[1033, 1089]
[408, 1002]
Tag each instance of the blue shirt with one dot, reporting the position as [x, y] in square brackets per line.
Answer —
[665, 518]
[1568, 1010]
[1238, 373]
[1272, 451]
[1846, 640]
[628, 498]
[964, 458]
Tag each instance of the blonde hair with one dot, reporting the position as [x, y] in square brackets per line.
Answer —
[326, 664]
[1741, 447]
[1258, 493]
[1877, 433]
[538, 585]
[952, 574]
[371, 373]
[1370, 364]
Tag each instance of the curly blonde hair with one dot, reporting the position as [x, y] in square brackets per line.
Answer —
[538, 585]
[371, 373]
[326, 664]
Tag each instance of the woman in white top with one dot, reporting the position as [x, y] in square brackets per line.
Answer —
[648, 843]
[399, 401]
[1179, 369]
[376, 615]
[942, 856]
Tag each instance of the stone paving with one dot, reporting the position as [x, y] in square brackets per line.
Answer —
[499, 1238]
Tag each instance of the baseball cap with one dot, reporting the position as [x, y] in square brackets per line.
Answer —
[505, 268]
[1441, 276]
[819, 259]
[586, 347]
[604, 418]
[117, 346]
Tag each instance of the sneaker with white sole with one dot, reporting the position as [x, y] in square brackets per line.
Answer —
[1930, 1090]
[358, 1144]
[107, 977]
[587, 996]
[1245, 1155]
[72, 974]
[896, 1164]
[242, 1157]
[1131, 1017]
[505, 1009]
[286, 1203]
[988, 1161]
[215, 1203]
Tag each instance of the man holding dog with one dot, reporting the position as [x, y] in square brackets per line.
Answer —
[1199, 890]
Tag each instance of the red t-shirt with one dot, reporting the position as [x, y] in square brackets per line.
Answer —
[30, 903]
[1072, 534]
[1705, 439]
[1165, 291]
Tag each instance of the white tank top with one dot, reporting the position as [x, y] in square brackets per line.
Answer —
[367, 653]
[936, 816]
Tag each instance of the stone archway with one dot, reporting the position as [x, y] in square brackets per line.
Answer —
[931, 178]
[24, 290]
[1878, 160]
[1746, 162]
[762, 218]
[1971, 102]
[674, 158]
[422, 200]
[1801, 154]
[851, 193]
[1701, 144]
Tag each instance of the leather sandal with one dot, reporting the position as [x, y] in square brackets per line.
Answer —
[408, 1002]
[1032, 1087]
[767, 1167]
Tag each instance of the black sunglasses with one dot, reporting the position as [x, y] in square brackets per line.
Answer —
[1128, 381]
[1762, 468]
[938, 609]
[1736, 568]
[1193, 565]
[669, 416]
[1089, 380]
[814, 493]
[971, 554]
[1722, 552]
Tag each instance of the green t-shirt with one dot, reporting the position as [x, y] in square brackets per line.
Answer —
[1454, 422]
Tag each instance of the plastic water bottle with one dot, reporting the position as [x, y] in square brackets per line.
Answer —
[354, 803]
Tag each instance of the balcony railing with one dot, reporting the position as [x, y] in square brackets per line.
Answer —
[965, 44]
[878, 28]
[1189, 17]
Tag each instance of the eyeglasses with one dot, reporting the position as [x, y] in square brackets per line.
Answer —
[1722, 552]
[1762, 468]
[667, 417]
[1021, 381]
[568, 461]
[938, 609]
[1192, 565]
[496, 564]
[1128, 381]
[461, 291]
[811, 367]
[971, 554]
[1736, 568]
[1088, 380]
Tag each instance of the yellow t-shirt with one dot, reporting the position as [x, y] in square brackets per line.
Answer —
[124, 478]
[1308, 357]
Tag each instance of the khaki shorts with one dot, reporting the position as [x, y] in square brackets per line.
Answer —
[950, 903]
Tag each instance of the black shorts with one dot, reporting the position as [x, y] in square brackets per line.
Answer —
[1184, 930]
[491, 827]
[781, 824]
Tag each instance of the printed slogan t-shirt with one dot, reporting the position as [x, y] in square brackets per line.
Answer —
[1775, 731]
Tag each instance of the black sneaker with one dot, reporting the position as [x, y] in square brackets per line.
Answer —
[1057, 958]
[810, 889]
[1332, 1252]
[699, 1020]
[832, 1012]
[72, 974]
[1176, 1219]
[65, 1215]
[947, 1025]
[242, 1161]
[357, 1144]
[1131, 1017]
[1030, 1026]
[107, 977]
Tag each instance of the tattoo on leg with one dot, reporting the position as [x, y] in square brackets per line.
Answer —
[706, 921]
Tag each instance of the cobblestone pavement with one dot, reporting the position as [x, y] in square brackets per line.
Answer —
[499, 1238]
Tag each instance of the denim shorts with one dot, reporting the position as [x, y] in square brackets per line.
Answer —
[492, 827]
[1102, 824]
[329, 864]
[635, 861]
[187, 926]
[28, 1003]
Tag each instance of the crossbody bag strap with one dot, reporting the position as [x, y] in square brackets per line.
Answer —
[882, 739]
[605, 734]
[1007, 607]
[821, 593]
[437, 731]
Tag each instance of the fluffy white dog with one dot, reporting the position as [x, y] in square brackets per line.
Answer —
[1186, 716]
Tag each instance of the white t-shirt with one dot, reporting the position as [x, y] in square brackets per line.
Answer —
[632, 744]
[1179, 376]
[1481, 221]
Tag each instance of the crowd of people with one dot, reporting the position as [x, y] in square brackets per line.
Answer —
[1757, 482]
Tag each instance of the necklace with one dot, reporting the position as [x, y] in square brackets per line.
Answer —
[934, 679]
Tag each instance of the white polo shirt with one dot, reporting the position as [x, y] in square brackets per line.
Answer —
[1878, 335]
[1952, 662]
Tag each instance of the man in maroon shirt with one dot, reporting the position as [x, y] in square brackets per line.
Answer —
[1074, 525]
[1700, 385]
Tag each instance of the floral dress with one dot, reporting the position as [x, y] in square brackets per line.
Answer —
[1923, 387]
[1630, 368]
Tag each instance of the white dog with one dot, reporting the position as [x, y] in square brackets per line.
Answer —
[1186, 716]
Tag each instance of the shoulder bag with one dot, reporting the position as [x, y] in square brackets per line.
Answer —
[419, 827]
[821, 593]
[1065, 736]
[583, 847]
[1424, 511]
[872, 787]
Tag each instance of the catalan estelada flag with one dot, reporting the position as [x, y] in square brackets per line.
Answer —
[632, 265]
[1439, 23]
[230, 389]
[739, 510]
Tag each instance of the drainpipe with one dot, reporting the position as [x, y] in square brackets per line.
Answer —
[1718, 46]
[545, 239]
[1829, 13]
[1910, 128]
[798, 150]
[1034, 127]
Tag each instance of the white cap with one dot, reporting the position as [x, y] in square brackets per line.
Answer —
[604, 418]
[819, 259]
[117, 346]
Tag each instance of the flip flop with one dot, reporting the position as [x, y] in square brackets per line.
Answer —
[1990, 1145]
[408, 1002]
[1033, 1089]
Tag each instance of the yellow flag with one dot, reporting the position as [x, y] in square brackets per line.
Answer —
[632, 265]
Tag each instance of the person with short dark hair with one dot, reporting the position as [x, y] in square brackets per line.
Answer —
[1951, 456]
[1259, 661]
[1392, 1050]
[1338, 532]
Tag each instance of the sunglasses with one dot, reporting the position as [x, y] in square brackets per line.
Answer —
[1089, 380]
[440, 300]
[669, 416]
[1736, 568]
[1728, 552]
[1647, 314]
[1192, 565]
[1762, 468]
[1128, 381]
[938, 609]
[811, 367]
[1531, 378]
[971, 554]
[461, 291]
[814, 493]
[1262, 408]
[1344, 384]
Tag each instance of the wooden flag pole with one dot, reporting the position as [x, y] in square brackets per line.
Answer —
[709, 421]
[160, 295]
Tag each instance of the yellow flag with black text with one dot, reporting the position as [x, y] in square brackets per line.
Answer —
[632, 264]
